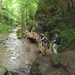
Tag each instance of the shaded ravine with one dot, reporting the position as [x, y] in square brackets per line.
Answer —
[19, 53]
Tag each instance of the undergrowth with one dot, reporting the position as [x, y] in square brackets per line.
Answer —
[4, 29]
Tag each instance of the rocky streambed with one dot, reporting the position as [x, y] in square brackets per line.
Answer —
[16, 54]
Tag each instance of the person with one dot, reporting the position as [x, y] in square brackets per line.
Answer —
[56, 43]
[43, 38]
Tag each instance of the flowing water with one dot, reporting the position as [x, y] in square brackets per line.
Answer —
[19, 53]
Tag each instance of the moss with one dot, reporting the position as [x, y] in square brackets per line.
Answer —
[35, 69]
[55, 60]
[19, 34]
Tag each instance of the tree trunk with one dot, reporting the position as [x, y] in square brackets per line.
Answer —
[68, 6]
[72, 3]
[1, 15]
[62, 10]
[0, 4]
[26, 17]
[22, 22]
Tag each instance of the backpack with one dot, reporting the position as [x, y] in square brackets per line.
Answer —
[44, 39]
[58, 40]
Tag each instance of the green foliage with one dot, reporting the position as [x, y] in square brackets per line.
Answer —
[3, 47]
[27, 27]
[7, 22]
[57, 62]
[19, 34]
[66, 32]
[7, 17]
[31, 25]
[22, 14]
[51, 15]
[5, 68]
[46, 34]
[4, 29]
[56, 18]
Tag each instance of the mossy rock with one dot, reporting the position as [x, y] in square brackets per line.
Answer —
[35, 69]
[55, 59]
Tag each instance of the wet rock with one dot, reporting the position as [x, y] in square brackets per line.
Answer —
[20, 71]
[35, 69]
[10, 73]
[71, 68]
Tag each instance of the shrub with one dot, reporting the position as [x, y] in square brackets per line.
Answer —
[19, 34]
[4, 29]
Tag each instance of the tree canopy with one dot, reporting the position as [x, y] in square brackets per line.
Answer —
[16, 8]
[18, 12]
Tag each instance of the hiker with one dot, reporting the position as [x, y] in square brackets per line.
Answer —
[44, 43]
[43, 38]
[56, 43]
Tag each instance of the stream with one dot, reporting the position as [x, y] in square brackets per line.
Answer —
[19, 52]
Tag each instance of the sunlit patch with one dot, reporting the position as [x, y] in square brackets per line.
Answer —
[13, 58]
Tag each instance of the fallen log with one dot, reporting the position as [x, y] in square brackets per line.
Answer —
[41, 47]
